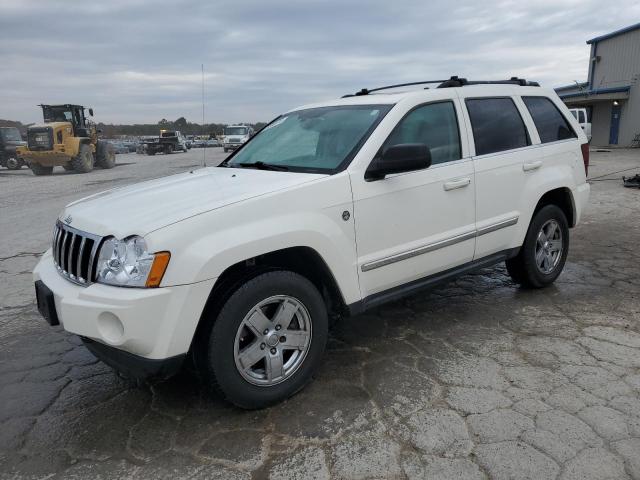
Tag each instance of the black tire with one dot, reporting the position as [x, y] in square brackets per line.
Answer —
[226, 150]
[83, 162]
[215, 356]
[151, 153]
[68, 167]
[38, 169]
[14, 163]
[524, 268]
[106, 156]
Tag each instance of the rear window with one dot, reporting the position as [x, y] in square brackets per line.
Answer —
[550, 123]
[497, 125]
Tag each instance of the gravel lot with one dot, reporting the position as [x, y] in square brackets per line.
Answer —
[477, 379]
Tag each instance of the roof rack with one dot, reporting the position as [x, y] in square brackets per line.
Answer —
[454, 81]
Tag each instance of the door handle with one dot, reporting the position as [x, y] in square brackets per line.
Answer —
[461, 183]
[527, 167]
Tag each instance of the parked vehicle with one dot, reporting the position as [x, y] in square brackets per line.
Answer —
[10, 139]
[236, 136]
[119, 147]
[67, 139]
[330, 210]
[212, 142]
[580, 114]
[169, 141]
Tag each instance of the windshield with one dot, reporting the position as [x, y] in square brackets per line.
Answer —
[235, 131]
[317, 139]
[59, 114]
[10, 134]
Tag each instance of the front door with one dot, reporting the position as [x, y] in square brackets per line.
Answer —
[414, 224]
[615, 124]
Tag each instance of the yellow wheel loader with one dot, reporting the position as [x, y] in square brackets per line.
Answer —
[67, 139]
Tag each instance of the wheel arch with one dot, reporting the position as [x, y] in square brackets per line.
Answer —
[303, 260]
[561, 197]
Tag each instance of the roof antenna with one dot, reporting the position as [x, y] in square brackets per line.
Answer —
[204, 150]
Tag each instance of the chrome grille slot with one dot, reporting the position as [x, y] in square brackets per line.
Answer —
[75, 253]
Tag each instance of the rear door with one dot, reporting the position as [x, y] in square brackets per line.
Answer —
[502, 158]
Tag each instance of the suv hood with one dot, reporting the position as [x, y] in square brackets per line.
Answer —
[144, 207]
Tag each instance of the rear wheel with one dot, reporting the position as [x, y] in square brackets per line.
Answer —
[544, 252]
[38, 169]
[83, 162]
[68, 167]
[106, 156]
[267, 340]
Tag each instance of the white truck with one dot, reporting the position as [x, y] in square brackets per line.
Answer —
[332, 209]
[235, 136]
[580, 114]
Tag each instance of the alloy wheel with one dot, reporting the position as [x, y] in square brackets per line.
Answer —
[273, 340]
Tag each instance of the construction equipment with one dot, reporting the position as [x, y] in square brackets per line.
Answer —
[67, 139]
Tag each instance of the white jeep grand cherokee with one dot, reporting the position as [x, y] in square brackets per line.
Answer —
[331, 209]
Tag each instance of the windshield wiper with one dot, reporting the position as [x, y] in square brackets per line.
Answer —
[263, 166]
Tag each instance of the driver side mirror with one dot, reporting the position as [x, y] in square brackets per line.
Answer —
[91, 112]
[404, 157]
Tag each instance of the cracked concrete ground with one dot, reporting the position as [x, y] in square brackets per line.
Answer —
[477, 379]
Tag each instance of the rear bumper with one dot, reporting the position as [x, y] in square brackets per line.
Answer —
[46, 158]
[581, 199]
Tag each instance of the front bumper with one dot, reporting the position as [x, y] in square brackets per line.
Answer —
[153, 323]
[232, 146]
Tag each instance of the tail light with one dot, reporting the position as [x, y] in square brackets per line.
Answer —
[585, 157]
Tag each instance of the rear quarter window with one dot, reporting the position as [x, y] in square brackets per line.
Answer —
[550, 123]
[497, 125]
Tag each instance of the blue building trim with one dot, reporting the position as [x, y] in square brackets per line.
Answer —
[597, 91]
[630, 28]
[571, 87]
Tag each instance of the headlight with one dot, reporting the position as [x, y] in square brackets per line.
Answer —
[127, 263]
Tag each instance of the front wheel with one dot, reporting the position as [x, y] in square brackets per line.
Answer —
[14, 163]
[267, 340]
[83, 162]
[544, 252]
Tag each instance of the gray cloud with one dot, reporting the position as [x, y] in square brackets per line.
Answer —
[139, 61]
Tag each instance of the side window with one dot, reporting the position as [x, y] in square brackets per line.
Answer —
[435, 125]
[497, 125]
[581, 118]
[575, 114]
[551, 125]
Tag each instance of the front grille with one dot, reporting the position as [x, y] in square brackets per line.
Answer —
[75, 253]
[234, 140]
[40, 138]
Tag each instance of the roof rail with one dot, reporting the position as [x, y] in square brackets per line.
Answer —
[462, 82]
[454, 81]
[367, 91]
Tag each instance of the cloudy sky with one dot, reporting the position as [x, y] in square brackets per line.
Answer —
[139, 61]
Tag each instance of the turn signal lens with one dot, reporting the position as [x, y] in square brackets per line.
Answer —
[160, 263]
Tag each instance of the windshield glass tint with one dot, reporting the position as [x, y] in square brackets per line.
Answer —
[10, 134]
[235, 131]
[317, 139]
